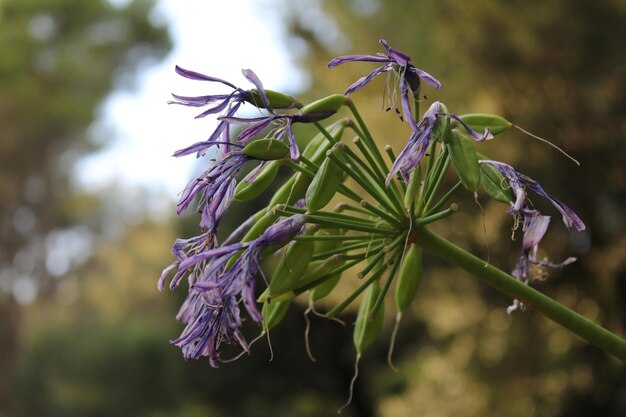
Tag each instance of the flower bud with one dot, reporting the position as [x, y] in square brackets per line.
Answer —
[249, 187]
[277, 100]
[327, 105]
[478, 122]
[266, 149]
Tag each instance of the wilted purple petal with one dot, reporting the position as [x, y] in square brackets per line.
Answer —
[535, 227]
[569, 217]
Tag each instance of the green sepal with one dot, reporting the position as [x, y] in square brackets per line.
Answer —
[248, 189]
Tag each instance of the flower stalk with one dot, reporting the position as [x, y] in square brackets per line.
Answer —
[507, 284]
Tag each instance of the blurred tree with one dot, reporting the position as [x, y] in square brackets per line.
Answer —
[59, 60]
[556, 68]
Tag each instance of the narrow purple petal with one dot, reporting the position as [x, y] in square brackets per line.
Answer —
[363, 81]
[400, 58]
[426, 77]
[201, 77]
[200, 147]
[406, 106]
[293, 145]
[198, 101]
[252, 77]
[569, 217]
[251, 131]
[222, 250]
[356, 58]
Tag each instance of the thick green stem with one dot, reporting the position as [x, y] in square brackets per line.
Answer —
[510, 286]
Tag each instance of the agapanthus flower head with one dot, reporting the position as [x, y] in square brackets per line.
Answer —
[227, 105]
[409, 76]
[211, 309]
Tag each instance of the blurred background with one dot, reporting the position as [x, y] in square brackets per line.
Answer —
[88, 192]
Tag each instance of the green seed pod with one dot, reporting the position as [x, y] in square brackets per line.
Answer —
[324, 288]
[319, 270]
[248, 189]
[494, 184]
[464, 159]
[273, 312]
[478, 122]
[409, 277]
[276, 99]
[324, 184]
[291, 267]
[266, 149]
[326, 245]
[365, 331]
[331, 103]
[316, 150]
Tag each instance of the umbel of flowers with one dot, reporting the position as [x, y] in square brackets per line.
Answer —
[381, 232]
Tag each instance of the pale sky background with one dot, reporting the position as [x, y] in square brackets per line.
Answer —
[140, 131]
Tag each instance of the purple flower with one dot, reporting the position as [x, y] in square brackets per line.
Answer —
[215, 188]
[211, 312]
[534, 227]
[410, 76]
[534, 224]
[520, 182]
[227, 103]
[419, 141]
